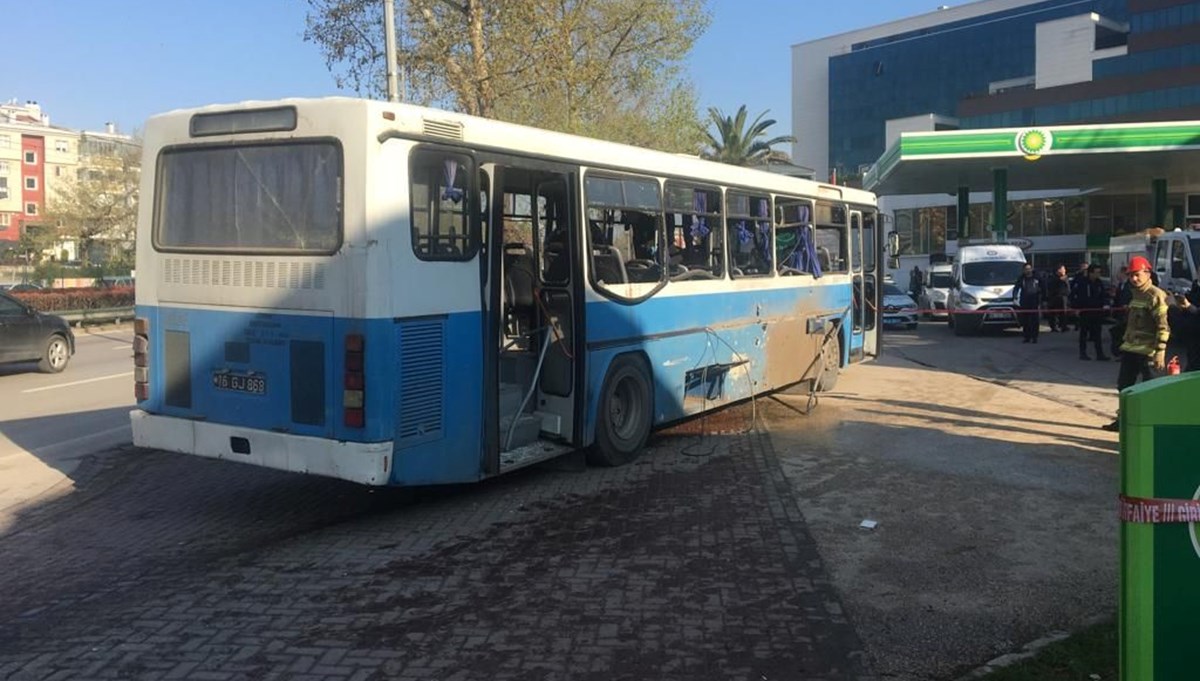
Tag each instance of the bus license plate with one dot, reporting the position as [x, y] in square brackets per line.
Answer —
[241, 383]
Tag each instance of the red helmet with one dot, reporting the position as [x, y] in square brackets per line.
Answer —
[1138, 264]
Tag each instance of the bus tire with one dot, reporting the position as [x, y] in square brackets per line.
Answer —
[830, 365]
[625, 413]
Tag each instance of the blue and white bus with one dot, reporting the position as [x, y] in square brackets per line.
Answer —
[397, 295]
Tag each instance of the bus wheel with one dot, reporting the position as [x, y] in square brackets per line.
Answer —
[625, 414]
[830, 364]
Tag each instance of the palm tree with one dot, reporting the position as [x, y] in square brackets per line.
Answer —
[736, 144]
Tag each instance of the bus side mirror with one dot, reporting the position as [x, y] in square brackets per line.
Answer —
[893, 250]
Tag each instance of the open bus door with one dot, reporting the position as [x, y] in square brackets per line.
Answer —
[864, 337]
[535, 383]
[872, 322]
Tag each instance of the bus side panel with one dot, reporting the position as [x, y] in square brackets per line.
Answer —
[438, 412]
[713, 349]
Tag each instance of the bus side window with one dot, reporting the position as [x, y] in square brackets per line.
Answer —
[694, 233]
[553, 221]
[441, 206]
[748, 233]
[869, 242]
[831, 236]
[795, 244]
[830, 241]
[626, 241]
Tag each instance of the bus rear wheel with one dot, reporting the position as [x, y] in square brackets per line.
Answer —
[830, 365]
[625, 413]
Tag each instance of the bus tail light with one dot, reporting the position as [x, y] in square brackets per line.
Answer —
[141, 359]
[354, 383]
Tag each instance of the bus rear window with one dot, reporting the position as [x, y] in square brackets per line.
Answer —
[264, 198]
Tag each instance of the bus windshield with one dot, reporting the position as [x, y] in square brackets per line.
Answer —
[269, 197]
[992, 272]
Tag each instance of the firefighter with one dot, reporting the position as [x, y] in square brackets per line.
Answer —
[1144, 349]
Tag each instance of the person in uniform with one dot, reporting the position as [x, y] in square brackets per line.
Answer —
[1144, 348]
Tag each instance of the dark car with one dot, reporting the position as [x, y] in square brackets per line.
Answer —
[17, 288]
[27, 335]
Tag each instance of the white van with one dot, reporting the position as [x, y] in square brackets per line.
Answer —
[982, 289]
[1174, 255]
[937, 290]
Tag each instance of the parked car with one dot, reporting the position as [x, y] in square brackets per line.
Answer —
[27, 335]
[114, 282]
[899, 309]
[17, 288]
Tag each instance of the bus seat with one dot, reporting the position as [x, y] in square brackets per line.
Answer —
[518, 288]
[557, 264]
[608, 265]
[824, 258]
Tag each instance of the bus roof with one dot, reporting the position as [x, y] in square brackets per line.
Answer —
[416, 122]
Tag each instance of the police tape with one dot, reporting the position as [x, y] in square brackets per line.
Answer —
[1154, 511]
[1000, 310]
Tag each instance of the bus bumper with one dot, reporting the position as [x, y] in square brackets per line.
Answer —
[368, 463]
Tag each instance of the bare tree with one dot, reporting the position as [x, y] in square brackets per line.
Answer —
[606, 68]
[101, 203]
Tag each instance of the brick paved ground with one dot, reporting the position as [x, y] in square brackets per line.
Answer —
[692, 563]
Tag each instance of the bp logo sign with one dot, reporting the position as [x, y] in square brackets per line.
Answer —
[1034, 142]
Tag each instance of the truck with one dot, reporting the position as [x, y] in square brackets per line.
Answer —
[981, 291]
[1173, 254]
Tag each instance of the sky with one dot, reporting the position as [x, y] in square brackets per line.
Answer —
[88, 63]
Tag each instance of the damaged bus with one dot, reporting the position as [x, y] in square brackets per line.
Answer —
[398, 295]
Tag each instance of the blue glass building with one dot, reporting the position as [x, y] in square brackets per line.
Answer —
[998, 63]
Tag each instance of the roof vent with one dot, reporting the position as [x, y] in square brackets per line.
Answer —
[447, 129]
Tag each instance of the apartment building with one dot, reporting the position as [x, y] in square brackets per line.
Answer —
[38, 159]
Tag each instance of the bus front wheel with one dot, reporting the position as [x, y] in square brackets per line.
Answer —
[625, 413]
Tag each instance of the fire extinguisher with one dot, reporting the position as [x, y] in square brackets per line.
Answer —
[1173, 366]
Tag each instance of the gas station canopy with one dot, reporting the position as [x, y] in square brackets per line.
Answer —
[1122, 157]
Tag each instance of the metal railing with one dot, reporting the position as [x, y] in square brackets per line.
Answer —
[96, 316]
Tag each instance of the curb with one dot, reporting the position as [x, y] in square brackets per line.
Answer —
[103, 327]
[1029, 650]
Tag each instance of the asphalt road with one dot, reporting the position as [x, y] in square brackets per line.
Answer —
[982, 461]
[50, 422]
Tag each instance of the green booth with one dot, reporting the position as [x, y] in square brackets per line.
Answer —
[1159, 512]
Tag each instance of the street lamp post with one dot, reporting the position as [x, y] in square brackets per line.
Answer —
[389, 27]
